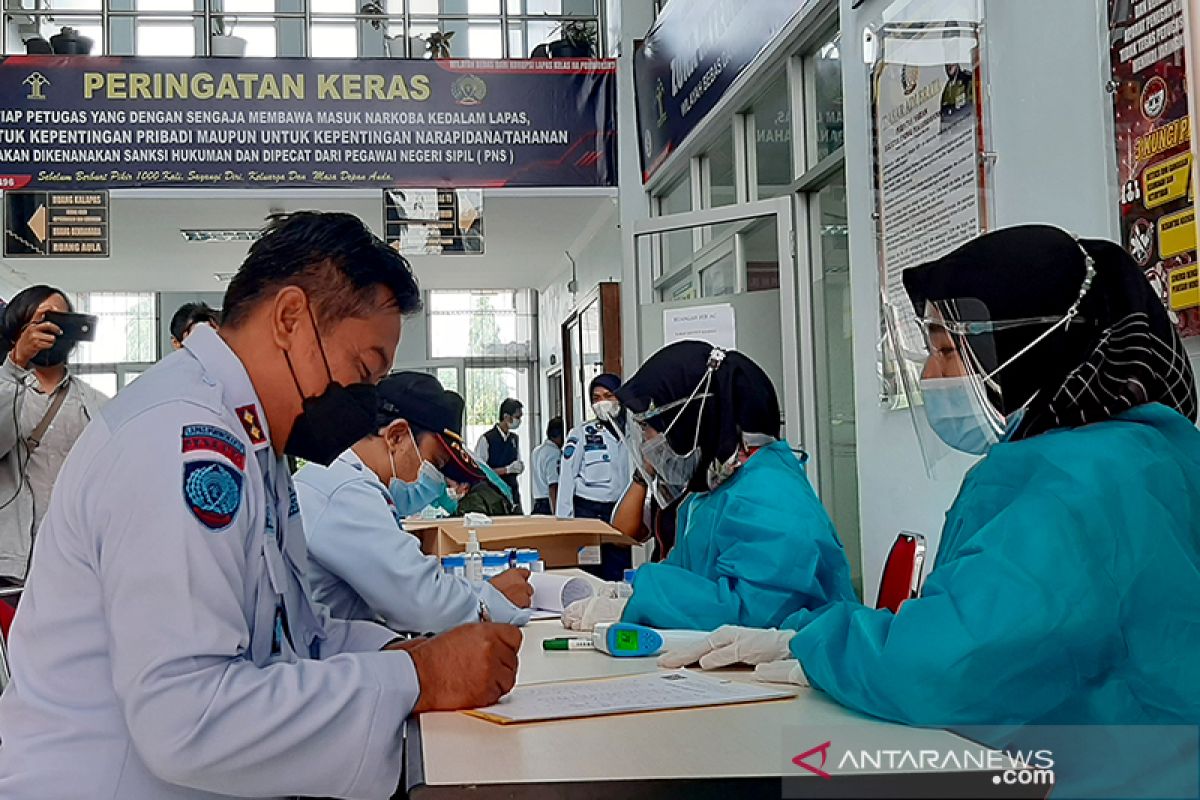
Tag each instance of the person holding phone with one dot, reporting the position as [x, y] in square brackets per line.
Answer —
[43, 410]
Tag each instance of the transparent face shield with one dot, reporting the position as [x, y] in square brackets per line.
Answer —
[665, 471]
[956, 385]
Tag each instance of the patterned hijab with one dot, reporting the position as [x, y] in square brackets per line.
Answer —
[1120, 353]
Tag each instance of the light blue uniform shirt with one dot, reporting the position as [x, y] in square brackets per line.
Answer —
[166, 646]
[363, 565]
[595, 466]
[546, 465]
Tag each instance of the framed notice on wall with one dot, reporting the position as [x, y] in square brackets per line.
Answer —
[927, 117]
[1154, 153]
[426, 222]
[66, 224]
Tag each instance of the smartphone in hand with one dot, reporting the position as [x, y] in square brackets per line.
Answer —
[74, 327]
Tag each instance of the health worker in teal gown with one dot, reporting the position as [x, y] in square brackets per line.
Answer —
[755, 545]
[1066, 589]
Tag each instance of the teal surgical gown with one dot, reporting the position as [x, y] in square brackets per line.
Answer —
[1066, 592]
[753, 551]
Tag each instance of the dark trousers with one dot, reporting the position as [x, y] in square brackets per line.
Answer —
[614, 559]
[542, 506]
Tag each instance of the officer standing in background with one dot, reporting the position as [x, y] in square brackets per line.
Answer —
[167, 647]
[547, 463]
[187, 317]
[500, 448]
[595, 466]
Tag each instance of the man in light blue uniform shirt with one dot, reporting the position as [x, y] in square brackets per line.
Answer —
[547, 464]
[362, 564]
[167, 647]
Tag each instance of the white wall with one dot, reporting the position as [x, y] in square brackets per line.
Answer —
[597, 254]
[1055, 164]
[756, 316]
[414, 342]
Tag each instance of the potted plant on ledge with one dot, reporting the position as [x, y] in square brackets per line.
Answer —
[223, 42]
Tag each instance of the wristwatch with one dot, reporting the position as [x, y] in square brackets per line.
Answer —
[484, 616]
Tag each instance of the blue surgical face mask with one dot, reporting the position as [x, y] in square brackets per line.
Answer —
[956, 414]
[411, 498]
[446, 501]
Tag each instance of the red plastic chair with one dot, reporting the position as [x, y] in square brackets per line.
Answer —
[902, 572]
[7, 613]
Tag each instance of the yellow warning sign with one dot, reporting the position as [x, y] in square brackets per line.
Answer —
[1177, 233]
[1185, 287]
[1167, 180]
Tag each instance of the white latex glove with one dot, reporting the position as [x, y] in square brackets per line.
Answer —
[515, 468]
[731, 644]
[584, 615]
[788, 671]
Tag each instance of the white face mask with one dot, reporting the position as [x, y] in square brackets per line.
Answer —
[606, 410]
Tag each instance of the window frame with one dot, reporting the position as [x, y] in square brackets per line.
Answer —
[119, 25]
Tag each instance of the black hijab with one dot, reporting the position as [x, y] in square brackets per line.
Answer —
[1121, 352]
[743, 401]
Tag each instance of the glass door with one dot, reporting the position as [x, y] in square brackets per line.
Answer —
[745, 260]
[833, 346]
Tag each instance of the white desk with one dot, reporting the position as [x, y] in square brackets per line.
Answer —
[733, 751]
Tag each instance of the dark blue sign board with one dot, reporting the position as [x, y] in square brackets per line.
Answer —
[690, 58]
[101, 123]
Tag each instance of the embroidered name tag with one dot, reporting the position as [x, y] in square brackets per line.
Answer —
[215, 440]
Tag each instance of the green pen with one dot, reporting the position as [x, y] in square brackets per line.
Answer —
[568, 643]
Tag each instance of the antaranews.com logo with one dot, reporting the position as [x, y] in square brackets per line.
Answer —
[1089, 762]
[1012, 768]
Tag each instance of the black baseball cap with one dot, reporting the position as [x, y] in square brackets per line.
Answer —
[420, 399]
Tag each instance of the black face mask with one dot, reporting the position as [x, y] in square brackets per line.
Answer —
[332, 421]
[54, 355]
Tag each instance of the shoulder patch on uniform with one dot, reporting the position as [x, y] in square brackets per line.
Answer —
[216, 440]
[248, 416]
[213, 492]
[569, 450]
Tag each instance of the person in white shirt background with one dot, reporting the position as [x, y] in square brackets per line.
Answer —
[362, 564]
[547, 463]
[43, 411]
[187, 317]
[167, 646]
[500, 448]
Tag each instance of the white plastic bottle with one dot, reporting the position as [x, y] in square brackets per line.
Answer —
[474, 559]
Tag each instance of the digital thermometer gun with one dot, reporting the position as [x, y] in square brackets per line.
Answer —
[620, 639]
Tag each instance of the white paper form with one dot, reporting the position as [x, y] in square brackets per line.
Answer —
[657, 691]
